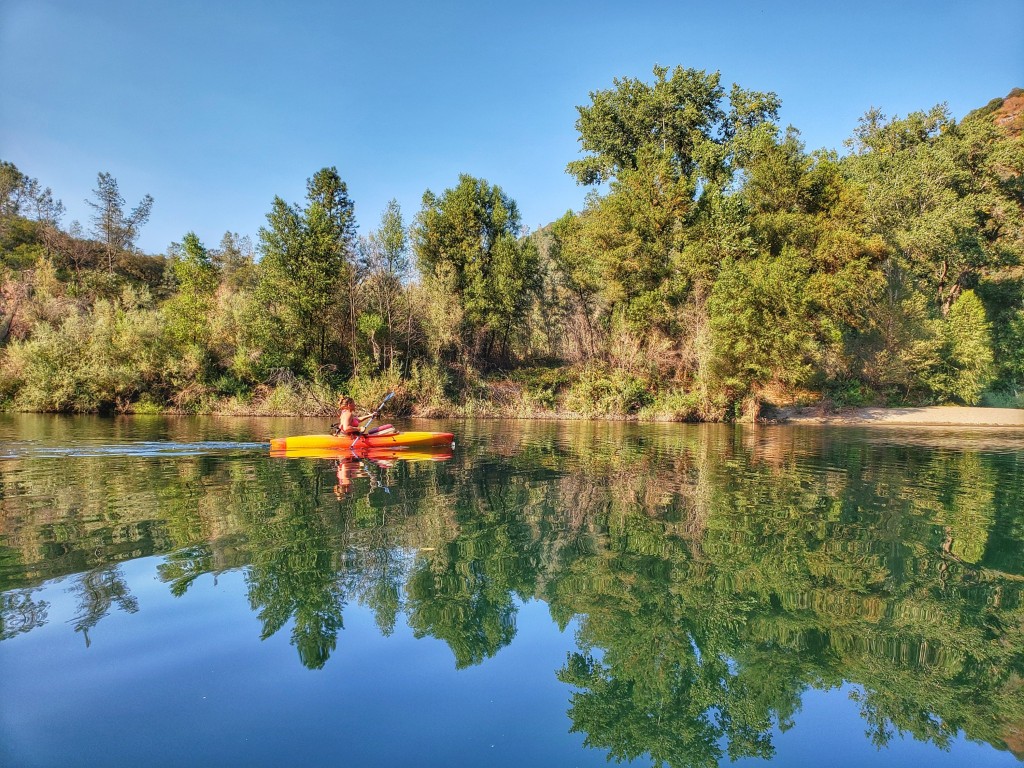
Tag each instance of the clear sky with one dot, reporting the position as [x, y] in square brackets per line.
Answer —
[216, 107]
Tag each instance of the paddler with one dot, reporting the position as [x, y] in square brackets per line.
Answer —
[349, 423]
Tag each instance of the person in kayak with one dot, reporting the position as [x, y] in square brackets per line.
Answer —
[349, 423]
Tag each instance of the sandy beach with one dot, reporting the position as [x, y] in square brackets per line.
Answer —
[931, 416]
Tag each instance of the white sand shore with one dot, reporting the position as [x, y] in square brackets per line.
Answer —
[932, 416]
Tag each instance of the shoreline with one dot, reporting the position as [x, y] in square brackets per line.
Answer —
[935, 416]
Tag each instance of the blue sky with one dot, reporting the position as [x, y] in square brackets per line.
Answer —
[216, 107]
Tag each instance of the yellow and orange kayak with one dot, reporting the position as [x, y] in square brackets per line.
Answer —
[430, 453]
[394, 441]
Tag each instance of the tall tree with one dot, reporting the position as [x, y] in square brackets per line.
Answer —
[670, 153]
[681, 117]
[383, 266]
[112, 227]
[942, 195]
[21, 195]
[467, 242]
[233, 258]
[307, 269]
[196, 280]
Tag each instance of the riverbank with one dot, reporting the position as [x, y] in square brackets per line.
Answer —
[946, 416]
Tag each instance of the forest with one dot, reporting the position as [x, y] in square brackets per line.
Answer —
[717, 267]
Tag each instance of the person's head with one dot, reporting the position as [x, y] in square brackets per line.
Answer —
[346, 403]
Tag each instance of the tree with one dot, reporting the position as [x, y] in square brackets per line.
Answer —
[196, 280]
[681, 117]
[761, 323]
[467, 241]
[306, 272]
[383, 266]
[942, 195]
[29, 213]
[967, 367]
[21, 195]
[642, 256]
[233, 259]
[113, 228]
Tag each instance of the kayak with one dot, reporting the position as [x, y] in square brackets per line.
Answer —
[394, 441]
[430, 453]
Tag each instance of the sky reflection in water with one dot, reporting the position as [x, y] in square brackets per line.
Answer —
[552, 595]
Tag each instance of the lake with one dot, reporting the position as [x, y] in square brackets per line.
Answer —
[552, 594]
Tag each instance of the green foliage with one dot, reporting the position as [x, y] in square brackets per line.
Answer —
[187, 311]
[112, 226]
[467, 244]
[762, 327]
[602, 391]
[307, 267]
[430, 385]
[1011, 347]
[385, 319]
[677, 405]
[936, 191]
[717, 264]
[95, 361]
[1003, 297]
[901, 344]
[370, 391]
[681, 117]
[967, 363]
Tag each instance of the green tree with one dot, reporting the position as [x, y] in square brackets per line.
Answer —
[941, 194]
[383, 268]
[640, 259]
[187, 312]
[761, 322]
[467, 242]
[967, 360]
[112, 227]
[681, 116]
[233, 259]
[306, 274]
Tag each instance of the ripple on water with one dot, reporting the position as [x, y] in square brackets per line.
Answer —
[31, 449]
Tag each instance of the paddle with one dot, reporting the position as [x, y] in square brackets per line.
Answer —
[373, 415]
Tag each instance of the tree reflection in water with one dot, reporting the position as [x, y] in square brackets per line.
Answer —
[716, 574]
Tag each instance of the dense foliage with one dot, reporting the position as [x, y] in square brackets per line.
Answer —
[716, 265]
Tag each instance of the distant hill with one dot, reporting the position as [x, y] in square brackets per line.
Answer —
[1007, 113]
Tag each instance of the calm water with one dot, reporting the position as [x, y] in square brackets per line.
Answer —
[551, 595]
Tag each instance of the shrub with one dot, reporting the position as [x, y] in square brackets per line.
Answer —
[967, 362]
[607, 392]
[370, 391]
[674, 405]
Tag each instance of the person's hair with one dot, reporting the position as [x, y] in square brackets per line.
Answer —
[346, 402]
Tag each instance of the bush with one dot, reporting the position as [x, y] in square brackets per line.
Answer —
[370, 391]
[46, 371]
[674, 405]
[607, 392]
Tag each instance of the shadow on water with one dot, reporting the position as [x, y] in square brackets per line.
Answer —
[715, 574]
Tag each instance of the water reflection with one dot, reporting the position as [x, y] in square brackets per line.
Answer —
[716, 574]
